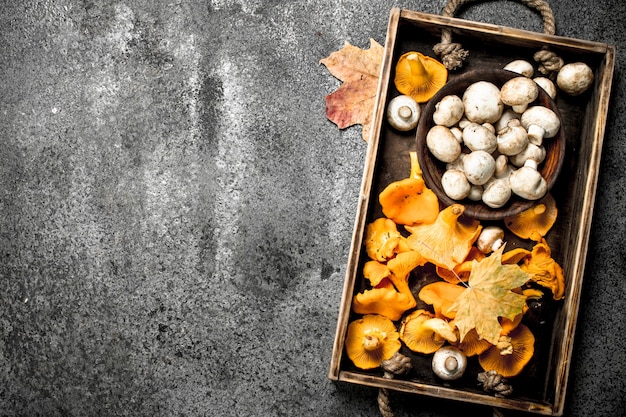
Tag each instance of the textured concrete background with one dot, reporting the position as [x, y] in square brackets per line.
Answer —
[176, 210]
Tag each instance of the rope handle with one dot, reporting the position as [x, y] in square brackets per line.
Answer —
[453, 55]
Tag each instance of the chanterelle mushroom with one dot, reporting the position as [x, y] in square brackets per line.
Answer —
[518, 93]
[482, 102]
[535, 222]
[371, 340]
[403, 113]
[540, 122]
[409, 201]
[419, 76]
[423, 333]
[510, 358]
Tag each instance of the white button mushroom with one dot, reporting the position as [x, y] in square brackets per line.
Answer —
[476, 192]
[479, 138]
[540, 122]
[458, 133]
[448, 111]
[403, 113]
[512, 139]
[496, 192]
[490, 239]
[503, 121]
[534, 152]
[527, 182]
[575, 78]
[478, 167]
[482, 102]
[547, 85]
[503, 169]
[442, 143]
[520, 66]
[518, 93]
[455, 184]
[449, 363]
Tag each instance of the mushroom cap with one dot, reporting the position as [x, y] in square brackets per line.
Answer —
[461, 272]
[528, 183]
[489, 236]
[482, 102]
[419, 76]
[513, 139]
[409, 202]
[479, 167]
[520, 66]
[575, 78]
[472, 344]
[448, 111]
[441, 295]
[403, 113]
[371, 340]
[535, 152]
[479, 138]
[547, 85]
[543, 117]
[509, 365]
[544, 270]
[507, 115]
[375, 272]
[496, 192]
[535, 222]
[518, 92]
[423, 333]
[382, 239]
[383, 301]
[442, 143]
[455, 184]
[449, 363]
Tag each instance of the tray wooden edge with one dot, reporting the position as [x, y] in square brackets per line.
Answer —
[573, 297]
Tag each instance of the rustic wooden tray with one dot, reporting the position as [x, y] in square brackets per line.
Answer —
[541, 388]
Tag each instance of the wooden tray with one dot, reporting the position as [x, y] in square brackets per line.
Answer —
[542, 387]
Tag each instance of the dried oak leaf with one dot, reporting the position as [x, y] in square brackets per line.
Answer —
[489, 296]
[353, 102]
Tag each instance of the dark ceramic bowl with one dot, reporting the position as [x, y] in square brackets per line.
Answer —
[433, 169]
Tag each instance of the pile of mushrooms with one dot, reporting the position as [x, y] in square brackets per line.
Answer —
[491, 140]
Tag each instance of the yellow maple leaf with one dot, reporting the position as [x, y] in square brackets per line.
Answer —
[359, 70]
[489, 296]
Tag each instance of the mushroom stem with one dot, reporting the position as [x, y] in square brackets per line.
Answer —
[417, 68]
[405, 112]
[451, 363]
[371, 342]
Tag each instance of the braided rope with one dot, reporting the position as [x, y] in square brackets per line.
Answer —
[397, 365]
[453, 55]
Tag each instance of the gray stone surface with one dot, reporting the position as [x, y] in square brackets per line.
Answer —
[176, 210]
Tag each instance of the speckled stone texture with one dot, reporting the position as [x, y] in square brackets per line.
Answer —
[176, 211]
